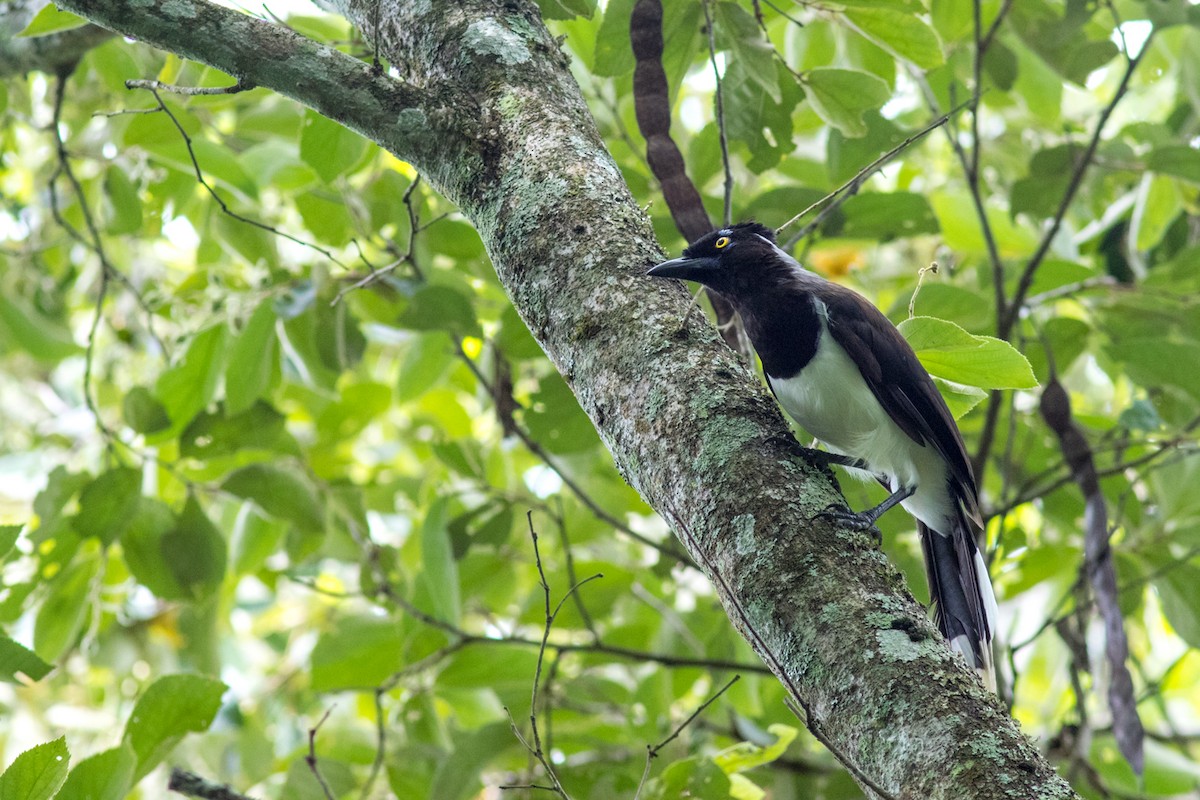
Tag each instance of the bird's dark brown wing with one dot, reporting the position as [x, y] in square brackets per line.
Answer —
[896, 377]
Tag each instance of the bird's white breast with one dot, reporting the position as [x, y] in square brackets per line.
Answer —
[832, 401]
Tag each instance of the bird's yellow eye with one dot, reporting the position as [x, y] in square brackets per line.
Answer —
[719, 243]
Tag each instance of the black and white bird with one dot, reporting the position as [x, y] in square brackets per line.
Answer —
[844, 372]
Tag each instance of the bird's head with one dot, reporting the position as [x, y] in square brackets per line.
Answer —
[735, 261]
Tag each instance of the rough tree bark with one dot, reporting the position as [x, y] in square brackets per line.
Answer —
[486, 108]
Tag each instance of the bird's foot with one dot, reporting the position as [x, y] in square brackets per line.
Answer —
[861, 521]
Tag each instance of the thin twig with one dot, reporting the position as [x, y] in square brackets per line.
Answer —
[189, 91]
[802, 712]
[653, 751]
[1035, 261]
[536, 448]
[96, 244]
[311, 758]
[584, 614]
[408, 257]
[187, 140]
[912, 301]
[839, 195]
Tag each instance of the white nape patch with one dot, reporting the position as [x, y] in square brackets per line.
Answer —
[830, 399]
[785, 258]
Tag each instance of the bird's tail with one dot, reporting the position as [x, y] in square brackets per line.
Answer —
[961, 591]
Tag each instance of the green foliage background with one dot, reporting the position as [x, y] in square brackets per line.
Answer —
[246, 482]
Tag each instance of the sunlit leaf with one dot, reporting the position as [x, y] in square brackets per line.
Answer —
[105, 776]
[37, 773]
[949, 352]
[357, 653]
[51, 20]
[328, 147]
[902, 32]
[43, 338]
[16, 659]
[171, 707]
[842, 96]
[440, 573]
[253, 360]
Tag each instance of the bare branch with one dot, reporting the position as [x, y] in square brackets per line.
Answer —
[311, 758]
[850, 187]
[653, 751]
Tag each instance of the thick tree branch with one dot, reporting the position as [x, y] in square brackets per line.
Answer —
[501, 129]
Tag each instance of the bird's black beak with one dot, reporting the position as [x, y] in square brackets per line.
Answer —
[686, 269]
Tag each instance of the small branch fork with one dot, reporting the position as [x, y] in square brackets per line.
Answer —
[311, 758]
[652, 751]
[535, 748]
[155, 87]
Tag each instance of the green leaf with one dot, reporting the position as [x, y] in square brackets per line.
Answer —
[744, 755]
[357, 652]
[902, 32]
[107, 504]
[254, 538]
[1159, 202]
[176, 558]
[8, 537]
[37, 773]
[959, 398]
[253, 360]
[143, 413]
[328, 147]
[842, 96]
[1155, 361]
[261, 427]
[1178, 590]
[949, 352]
[692, 777]
[435, 308]
[174, 705]
[961, 230]
[326, 217]
[43, 338]
[16, 659]
[425, 361]
[186, 388]
[737, 31]
[751, 111]
[64, 610]
[104, 776]
[567, 9]
[440, 573]
[124, 202]
[458, 777]
[874, 215]
[614, 55]
[280, 492]
[555, 419]
[51, 20]
[1168, 773]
